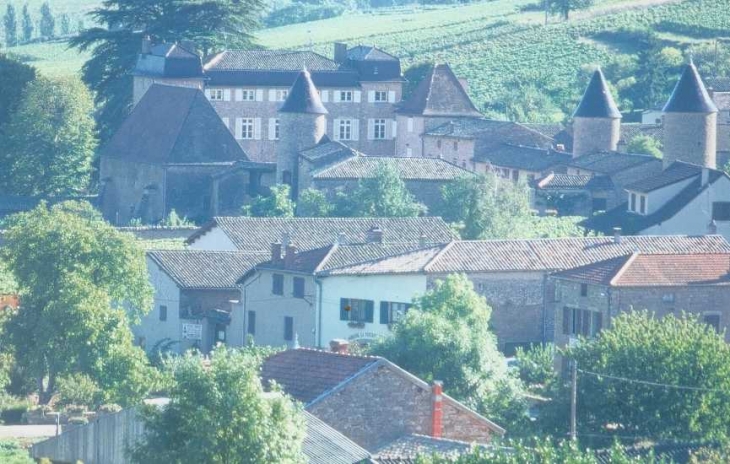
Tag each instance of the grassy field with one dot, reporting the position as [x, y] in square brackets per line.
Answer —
[11, 452]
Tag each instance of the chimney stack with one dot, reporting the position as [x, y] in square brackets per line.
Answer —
[275, 252]
[616, 235]
[340, 346]
[712, 228]
[289, 255]
[705, 179]
[422, 240]
[146, 45]
[437, 412]
[375, 235]
[342, 238]
[340, 52]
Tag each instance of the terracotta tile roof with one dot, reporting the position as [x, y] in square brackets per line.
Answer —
[440, 94]
[257, 234]
[660, 270]
[677, 172]
[306, 374]
[597, 101]
[613, 162]
[198, 269]
[325, 445]
[718, 84]
[690, 95]
[402, 263]
[173, 125]
[408, 447]
[363, 167]
[556, 181]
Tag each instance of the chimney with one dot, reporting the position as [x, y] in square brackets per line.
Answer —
[340, 52]
[285, 239]
[275, 252]
[340, 346]
[289, 255]
[422, 240]
[437, 397]
[712, 228]
[342, 238]
[146, 45]
[616, 235]
[375, 235]
[705, 177]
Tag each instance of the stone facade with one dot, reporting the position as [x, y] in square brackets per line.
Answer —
[301, 131]
[382, 404]
[141, 84]
[690, 137]
[459, 151]
[592, 135]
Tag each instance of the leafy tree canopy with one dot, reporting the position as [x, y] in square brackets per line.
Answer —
[14, 77]
[219, 414]
[277, 204]
[645, 145]
[314, 203]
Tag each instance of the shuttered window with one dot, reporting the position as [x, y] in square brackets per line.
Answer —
[355, 310]
[392, 312]
[581, 322]
[298, 287]
[288, 328]
[277, 284]
[251, 326]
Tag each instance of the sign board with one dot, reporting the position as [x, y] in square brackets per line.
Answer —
[192, 331]
[363, 337]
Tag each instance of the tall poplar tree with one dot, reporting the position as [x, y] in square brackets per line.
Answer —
[10, 21]
[27, 24]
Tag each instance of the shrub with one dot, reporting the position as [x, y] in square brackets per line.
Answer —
[78, 390]
[536, 364]
[12, 409]
[109, 408]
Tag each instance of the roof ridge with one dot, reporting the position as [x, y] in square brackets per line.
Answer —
[332, 249]
[629, 259]
[427, 267]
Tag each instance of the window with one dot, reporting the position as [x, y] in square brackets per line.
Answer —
[438, 143]
[515, 175]
[247, 125]
[409, 152]
[721, 210]
[410, 124]
[277, 284]
[713, 320]
[380, 96]
[298, 290]
[345, 129]
[456, 146]
[248, 95]
[288, 328]
[220, 333]
[632, 203]
[276, 129]
[216, 94]
[354, 310]
[163, 313]
[281, 95]
[251, 327]
[391, 312]
[379, 129]
[642, 204]
[581, 322]
[558, 295]
[286, 177]
[346, 95]
[583, 289]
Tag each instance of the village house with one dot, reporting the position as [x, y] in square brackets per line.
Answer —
[173, 152]
[587, 298]
[372, 401]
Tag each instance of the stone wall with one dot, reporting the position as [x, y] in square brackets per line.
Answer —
[591, 135]
[690, 137]
[124, 186]
[459, 151]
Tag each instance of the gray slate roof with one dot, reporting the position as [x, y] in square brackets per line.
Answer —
[199, 269]
[613, 162]
[173, 124]
[557, 181]
[364, 167]
[169, 60]
[677, 172]
[597, 101]
[325, 445]
[521, 157]
[257, 234]
[369, 53]
[690, 95]
[440, 94]
[303, 97]
[328, 152]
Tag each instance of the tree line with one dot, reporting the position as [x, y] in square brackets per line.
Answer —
[24, 30]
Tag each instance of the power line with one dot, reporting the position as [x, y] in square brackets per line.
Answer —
[654, 384]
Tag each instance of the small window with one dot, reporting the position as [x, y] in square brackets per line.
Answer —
[277, 284]
[632, 203]
[713, 320]
[354, 310]
[286, 177]
[345, 129]
[515, 175]
[721, 211]
[281, 95]
[391, 312]
[220, 333]
[247, 125]
[216, 94]
[456, 146]
[438, 143]
[288, 328]
[298, 290]
[583, 289]
[346, 95]
[642, 204]
[248, 95]
[581, 322]
[379, 129]
[410, 124]
[276, 129]
[381, 96]
[163, 313]
[251, 326]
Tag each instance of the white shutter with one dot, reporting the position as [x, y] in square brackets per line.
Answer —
[272, 128]
[357, 96]
[239, 128]
[227, 122]
[371, 96]
[371, 129]
[410, 124]
[239, 95]
[272, 95]
[324, 95]
[391, 96]
[355, 129]
[257, 128]
[336, 96]
[394, 130]
[207, 94]
[336, 129]
[259, 95]
[226, 94]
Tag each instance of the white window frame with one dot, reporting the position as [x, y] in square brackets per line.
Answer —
[248, 95]
[281, 94]
[346, 96]
[248, 128]
[410, 124]
[379, 129]
[216, 94]
[344, 129]
[380, 96]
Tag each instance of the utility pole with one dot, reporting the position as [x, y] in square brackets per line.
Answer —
[573, 398]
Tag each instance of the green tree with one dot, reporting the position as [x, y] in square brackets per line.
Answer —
[645, 145]
[14, 77]
[383, 195]
[446, 337]
[277, 204]
[81, 284]
[50, 140]
[220, 415]
[313, 203]
[564, 7]
[47, 26]
[657, 71]
[10, 21]
[115, 43]
[65, 25]
[667, 352]
[27, 24]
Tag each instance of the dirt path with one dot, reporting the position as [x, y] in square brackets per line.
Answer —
[27, 431]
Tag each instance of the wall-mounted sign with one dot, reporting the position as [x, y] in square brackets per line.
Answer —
[192, 331]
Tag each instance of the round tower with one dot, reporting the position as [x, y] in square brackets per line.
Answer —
[690, 123]
[302, 124]
[597, 120]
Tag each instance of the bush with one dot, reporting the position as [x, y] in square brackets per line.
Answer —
[12, 409]
[536, 364]
[78, 421]
[78, 390]
[109, 408]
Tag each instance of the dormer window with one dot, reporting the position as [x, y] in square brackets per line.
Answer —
[638, 203]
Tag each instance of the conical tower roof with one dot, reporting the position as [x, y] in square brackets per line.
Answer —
[597, 101]
[303, 97]
[690, 94]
